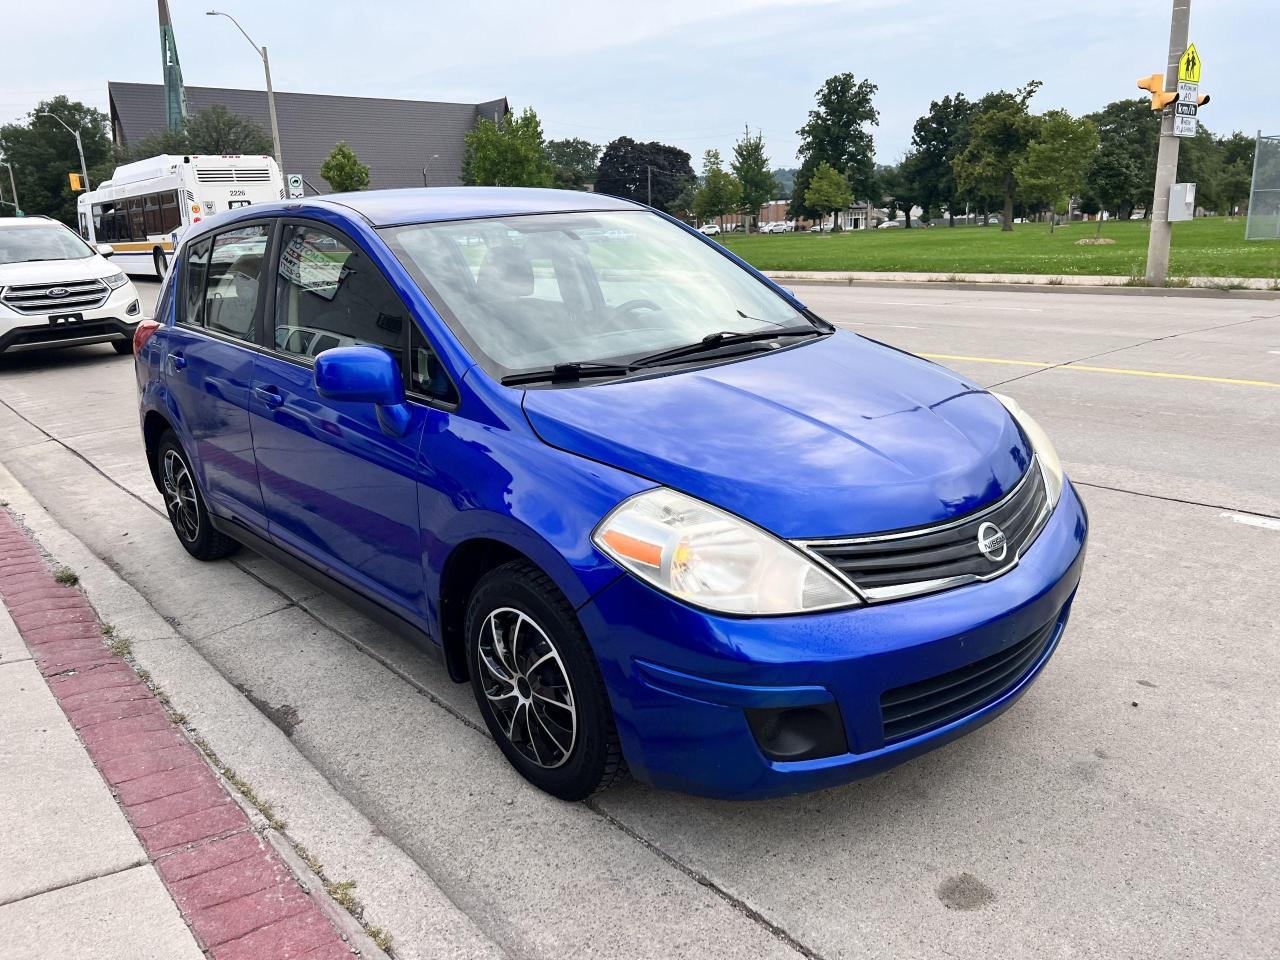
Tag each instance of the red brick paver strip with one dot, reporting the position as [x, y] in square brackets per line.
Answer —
[232, 888]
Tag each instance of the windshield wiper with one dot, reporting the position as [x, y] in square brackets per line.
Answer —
[567, 373]
[723, 338]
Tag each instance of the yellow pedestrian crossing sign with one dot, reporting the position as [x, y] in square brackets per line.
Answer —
[1189, 66]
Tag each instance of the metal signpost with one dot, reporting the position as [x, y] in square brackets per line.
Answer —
[1167, 158]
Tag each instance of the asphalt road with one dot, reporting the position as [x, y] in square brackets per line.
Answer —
[1124, 808]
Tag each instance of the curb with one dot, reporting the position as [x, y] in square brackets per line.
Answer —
[231, 887]
[1112, 289]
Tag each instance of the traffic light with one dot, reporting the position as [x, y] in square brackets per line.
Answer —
[1201, 101]
[1159, 98]
[77, 182]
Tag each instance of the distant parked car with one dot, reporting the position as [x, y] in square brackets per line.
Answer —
[778, 226]
[890, 225]
[709, 229]
[58, 291]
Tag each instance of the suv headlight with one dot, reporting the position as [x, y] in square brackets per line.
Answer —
[116, 280]
[710, 558]
[1050, 465]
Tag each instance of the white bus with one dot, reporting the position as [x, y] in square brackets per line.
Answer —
[146, 205]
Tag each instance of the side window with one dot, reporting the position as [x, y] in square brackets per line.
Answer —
[197, 268]
[427, 375]
[235, 271]
[329, 294]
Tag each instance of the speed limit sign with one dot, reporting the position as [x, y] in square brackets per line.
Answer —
[295, 186]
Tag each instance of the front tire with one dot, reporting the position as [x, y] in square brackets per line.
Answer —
[122, 347]
[538, 686]
[185, 504]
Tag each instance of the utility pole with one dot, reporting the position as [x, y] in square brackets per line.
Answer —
[1167, 159]
[271, 94]
[13, 188]
[84, 171]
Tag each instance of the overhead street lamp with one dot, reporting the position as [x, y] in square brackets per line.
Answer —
[271, 94]
[434, 156]
[84, 171]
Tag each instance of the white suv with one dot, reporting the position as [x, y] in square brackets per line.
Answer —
[57, 291]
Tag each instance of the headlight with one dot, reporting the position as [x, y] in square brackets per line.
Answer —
[1050, 465]
[712, 559]
[115, 280]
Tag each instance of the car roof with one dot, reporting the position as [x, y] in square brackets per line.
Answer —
[384, 208]
[39, 220]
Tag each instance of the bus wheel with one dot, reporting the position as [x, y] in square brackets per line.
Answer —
[161, 262]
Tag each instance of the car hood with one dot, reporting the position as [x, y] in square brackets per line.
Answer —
[836, 437]
[56, 271]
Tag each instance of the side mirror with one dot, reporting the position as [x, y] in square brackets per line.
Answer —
[106, 250]
[364, 375]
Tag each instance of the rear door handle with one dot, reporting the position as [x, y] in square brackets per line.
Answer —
[177, 362]
[270, 396]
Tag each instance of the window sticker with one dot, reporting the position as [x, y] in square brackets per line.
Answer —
[317, 271]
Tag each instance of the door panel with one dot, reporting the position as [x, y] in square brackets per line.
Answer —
[210, 376]
[335, 487]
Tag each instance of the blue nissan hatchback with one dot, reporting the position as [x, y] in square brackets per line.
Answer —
[660, 515]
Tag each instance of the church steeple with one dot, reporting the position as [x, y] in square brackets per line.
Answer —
[175, 97]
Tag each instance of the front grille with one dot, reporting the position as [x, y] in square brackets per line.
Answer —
[35, 298]
[916, 708]
[907, 563]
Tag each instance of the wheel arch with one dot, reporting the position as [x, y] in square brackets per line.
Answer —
[154, 425]
[466, 564]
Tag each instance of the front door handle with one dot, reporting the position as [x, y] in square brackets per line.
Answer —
[177, 362]
[270, 396]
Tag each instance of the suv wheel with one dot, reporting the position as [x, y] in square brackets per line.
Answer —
[123, 347]
[185, 505]
[536, 681]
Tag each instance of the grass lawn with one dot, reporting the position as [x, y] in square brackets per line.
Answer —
[1207, 247]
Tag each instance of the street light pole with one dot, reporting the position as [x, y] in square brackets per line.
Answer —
[13, 187]
[271, 94]
[434, 156]
[1167, 159]
[84, 171]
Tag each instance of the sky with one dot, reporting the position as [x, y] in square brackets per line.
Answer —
[693, 73]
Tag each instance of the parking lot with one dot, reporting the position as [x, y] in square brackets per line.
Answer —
[1123, 808]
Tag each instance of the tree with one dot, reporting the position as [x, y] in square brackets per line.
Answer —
[828, 191]
[43, 153]
[216, 130]
[937, 139]
[1056, 162]
[751, 168]
[720, 192]
[785, 177]
[343, 171]
[998, 139]
[575, 162]
[510, 153]
[1123, 173]
[1237, 170]
[837, 134]
[640, 171]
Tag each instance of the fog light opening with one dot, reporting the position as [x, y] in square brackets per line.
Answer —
[798, 733]
[132, 309]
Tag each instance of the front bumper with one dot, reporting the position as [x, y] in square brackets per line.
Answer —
[681, 680]
[111, 321]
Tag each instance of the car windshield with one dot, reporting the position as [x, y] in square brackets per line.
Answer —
[52, 242]
[526, 293]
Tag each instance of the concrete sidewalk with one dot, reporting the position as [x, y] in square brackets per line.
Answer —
[76, 882]
[122, 841]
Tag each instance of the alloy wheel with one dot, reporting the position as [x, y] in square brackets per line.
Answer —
[528, 687]
[180, 495]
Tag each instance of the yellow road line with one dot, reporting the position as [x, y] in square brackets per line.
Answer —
[1120, 370]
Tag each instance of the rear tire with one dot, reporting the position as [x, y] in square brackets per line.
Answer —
[123, 347]
[185, 504]
[161, 263]
[538, 685]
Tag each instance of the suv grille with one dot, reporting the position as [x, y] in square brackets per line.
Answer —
[906, 563]
[36, 298]
[916, 708]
